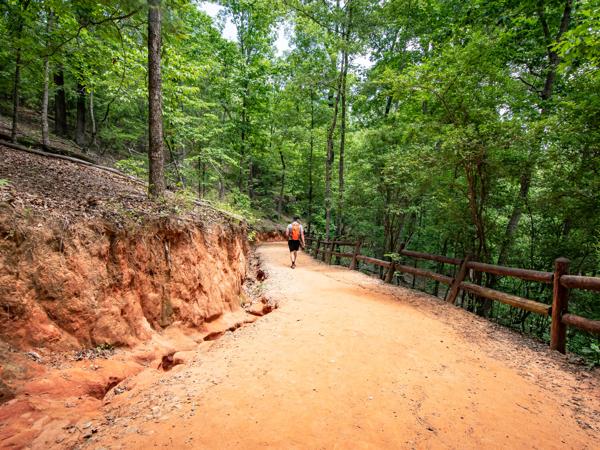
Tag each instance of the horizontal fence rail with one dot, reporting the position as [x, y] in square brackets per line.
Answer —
[560, 279]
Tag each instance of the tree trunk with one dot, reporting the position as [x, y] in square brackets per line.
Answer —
[60, 104]
[17, 77]
[440, 268]
[340, 202]
[94, 141]
[80, 129]
[331, 130]
[310, 159]
[243, 136]
[476, 196]
[330, 157]
[45, 133]
[45, 128]
[250, 185]
[156, 182]
[545, 95]
[515, 217]
[174, 160]
[16, 83]
[281, 190]
[201, 178]
[388, 106]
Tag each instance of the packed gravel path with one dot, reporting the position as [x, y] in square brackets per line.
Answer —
[348, 362]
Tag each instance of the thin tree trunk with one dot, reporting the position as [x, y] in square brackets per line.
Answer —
[17, 77]
[331, 130]
[476, 201]
[250, 185]
[93, 121]
[310, 159]
[175, 160]
[281, 191]
[16, 83]
[545, 95]
[340, 202]
[330, 157]
[45, 128]
[200, 173]
[243, 136]
[439, 268]
[60, 104]
[202, 179]
[515, 217]
[388, 106]
[45, 133]
[156, 155]
[80, 129]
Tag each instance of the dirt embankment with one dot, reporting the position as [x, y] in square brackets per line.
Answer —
[90, 284]
[88, 264]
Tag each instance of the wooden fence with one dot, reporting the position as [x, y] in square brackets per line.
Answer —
[560, 280]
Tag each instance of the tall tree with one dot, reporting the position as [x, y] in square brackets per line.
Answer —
[548, 43]
[61, 126]
[20, 13]
[156, 186]
[45, 90]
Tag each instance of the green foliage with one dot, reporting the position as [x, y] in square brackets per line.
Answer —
[134, 167]
[240, 205]
[592, 353]
[475, 131]
[184, 200]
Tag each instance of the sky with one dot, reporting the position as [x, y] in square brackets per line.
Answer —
[282, 43]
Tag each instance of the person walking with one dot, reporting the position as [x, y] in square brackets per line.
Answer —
[295, 236]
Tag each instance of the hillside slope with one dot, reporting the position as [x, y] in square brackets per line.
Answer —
[87, 260]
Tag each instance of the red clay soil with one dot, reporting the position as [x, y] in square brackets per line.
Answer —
[348, 362]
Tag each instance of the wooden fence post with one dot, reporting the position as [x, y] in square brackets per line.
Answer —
[316, 251]
[460, 277]
[560, 303]
[357, 246]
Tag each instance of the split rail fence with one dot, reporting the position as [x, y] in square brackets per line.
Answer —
[560, 280]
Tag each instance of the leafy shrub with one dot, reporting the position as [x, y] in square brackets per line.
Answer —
[134, 167]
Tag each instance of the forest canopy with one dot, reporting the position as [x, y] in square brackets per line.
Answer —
[453, 127]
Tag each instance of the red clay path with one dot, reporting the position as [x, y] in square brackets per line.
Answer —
[347, 362]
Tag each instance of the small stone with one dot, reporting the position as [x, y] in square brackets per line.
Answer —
[119, 390]
[35, 356]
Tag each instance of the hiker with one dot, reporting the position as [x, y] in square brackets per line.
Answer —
[295, 236]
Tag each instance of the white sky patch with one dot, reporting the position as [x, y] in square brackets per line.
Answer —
[504, 112]
[282, 43]
[229, 31]
[363, 61]
[414, 45]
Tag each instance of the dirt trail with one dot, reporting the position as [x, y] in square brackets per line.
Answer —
[347, 362]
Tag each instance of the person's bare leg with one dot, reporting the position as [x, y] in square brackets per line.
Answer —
[292, 258]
